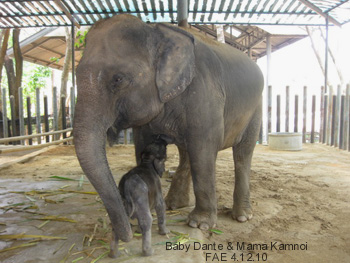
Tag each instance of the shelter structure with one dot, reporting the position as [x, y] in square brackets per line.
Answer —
[243, 17]
[240, 22]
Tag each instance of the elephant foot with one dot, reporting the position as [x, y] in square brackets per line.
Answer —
[147, 252]
[242, 214]
[174, 201]
[203, 220]
[163, 231]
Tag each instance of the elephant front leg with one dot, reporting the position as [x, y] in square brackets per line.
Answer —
[179, 192]
[204, 215]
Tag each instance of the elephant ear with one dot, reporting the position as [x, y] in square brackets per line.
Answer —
[176, 62]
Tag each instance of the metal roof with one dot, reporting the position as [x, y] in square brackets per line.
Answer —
[36, 13]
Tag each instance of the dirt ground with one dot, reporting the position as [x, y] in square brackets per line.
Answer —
[300, 202]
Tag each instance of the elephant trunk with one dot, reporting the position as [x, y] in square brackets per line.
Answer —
[90, 140]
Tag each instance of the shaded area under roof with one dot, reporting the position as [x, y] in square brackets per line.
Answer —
[36, 13]
[47, 47]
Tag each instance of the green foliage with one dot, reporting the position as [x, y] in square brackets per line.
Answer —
[80, 39]
[35, 76]
[54, 59]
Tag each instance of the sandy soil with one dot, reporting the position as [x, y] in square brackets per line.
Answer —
[300, 201]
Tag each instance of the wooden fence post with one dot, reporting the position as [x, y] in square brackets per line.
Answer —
[29, 122]
[72, 105]
[346, 119]
[269, 110]
[55, 111]
[296, 113]
[21, 116]
[322, 116]
[336, 117]
[334, 104]
[287, 110]
[341, 122]
[64, 120]
[304, 113]
[46, 118]
[37, 112]
[312, 139]
[329, 116]
[13, 117]
[278, 113]
[4, 114]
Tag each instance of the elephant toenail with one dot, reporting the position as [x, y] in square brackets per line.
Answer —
[193, 224]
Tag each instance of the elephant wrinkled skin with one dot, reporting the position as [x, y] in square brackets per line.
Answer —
[160, 79]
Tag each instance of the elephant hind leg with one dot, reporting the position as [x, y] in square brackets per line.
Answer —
[137, 191]
[242, 155]
[179, 192]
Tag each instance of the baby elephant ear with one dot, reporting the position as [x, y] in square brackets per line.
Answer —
[159, 166]
[176, 62]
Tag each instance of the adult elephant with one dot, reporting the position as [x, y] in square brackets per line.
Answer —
[160, 79]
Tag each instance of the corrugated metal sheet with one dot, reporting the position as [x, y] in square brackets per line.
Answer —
[37, 13]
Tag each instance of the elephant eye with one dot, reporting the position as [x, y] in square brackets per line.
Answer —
[117, 79]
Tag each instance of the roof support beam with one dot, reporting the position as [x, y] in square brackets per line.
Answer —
[182, 13]
[320, 12]
[66, 12]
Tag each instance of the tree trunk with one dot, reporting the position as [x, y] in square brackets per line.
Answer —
[65, 73]
[5, 34]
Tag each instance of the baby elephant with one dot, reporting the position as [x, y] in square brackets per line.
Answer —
[141, 191]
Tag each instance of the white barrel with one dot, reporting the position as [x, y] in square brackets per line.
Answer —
[285, 141]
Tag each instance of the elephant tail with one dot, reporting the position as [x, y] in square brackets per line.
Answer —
[128, 200]
[135, 195]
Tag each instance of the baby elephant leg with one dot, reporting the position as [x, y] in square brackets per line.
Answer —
[138, 192]
[144, 218]
[160, 210]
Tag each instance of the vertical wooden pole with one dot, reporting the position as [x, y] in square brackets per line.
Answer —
[321, 115]
[296, 113]
[4, 114]
[334, 103]
[13, 117]
[346, 119]
[278, 113]
[72, 105]
[21, 116]
[329, 116]
[38, 114]
[29, 122]
[64, 117]
[287, 110]
[55, 112]
[313, 119]
[304, 113]
[46, 117]
[325, 116]
[125, 137]
[336, 117]
[269, 109]
[341, 123]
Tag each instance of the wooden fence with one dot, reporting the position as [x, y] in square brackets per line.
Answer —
[322, 117]
[20, 130]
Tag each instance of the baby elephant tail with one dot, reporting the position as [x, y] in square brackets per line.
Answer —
[136, 194]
